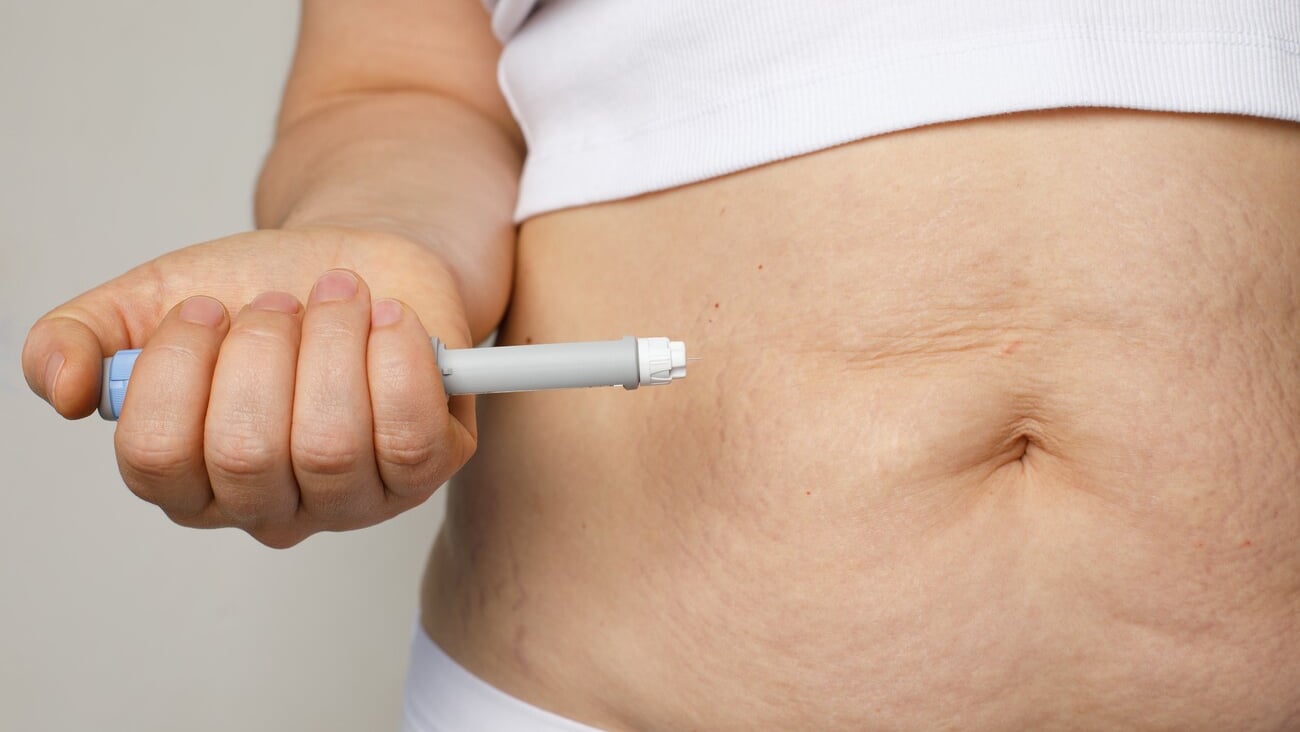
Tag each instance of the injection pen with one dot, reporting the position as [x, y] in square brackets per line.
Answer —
[628, 362]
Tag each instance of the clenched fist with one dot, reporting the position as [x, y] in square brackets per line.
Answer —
[287, 383]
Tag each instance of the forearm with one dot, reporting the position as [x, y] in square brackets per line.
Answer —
[416, 164]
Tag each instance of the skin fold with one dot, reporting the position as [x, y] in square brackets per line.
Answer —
[997, 426]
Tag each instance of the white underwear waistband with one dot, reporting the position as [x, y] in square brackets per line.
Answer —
[441, 696]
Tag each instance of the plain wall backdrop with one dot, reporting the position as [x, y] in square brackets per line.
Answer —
[130, 129]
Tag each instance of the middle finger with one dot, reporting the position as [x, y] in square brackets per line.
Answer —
[332, 446]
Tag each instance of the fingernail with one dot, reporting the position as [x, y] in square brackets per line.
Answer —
[335, 285]
[385, 312]
[280, 302]
[53, 365]
[202, 310]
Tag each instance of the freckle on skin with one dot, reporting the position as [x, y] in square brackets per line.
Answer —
[716, 305]
[1246, 543]
[528, 339]
[760, 266]
[807, 493]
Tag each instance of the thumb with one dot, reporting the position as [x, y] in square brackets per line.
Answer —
[64, 352]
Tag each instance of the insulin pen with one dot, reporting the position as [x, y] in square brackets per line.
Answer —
[627, 362]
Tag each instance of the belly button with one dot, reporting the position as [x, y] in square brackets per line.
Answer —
[1026, 436]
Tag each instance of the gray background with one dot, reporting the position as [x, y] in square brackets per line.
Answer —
[129, 129]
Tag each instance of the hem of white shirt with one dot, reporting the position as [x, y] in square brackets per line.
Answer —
[1204, 72]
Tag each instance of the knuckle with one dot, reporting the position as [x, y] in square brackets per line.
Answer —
[328, 453]
[184, 353]
[332, 327]
[149, 458]
[260, 336]
[241, 455]
[406, 446]
[417, 458]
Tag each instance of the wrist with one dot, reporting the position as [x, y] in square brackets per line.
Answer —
[416, 166]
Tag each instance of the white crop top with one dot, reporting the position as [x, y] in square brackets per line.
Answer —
[622, 97]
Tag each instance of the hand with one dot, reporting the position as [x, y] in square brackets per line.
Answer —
[248, 408]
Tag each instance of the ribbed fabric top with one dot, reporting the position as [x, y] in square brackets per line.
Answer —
[622, 97]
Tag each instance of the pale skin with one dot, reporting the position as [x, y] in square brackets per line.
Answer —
[998, 425]
[287, 385]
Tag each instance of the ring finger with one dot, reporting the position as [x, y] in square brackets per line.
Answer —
[332, 446]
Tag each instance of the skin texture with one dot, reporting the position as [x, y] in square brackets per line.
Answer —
[997, 427]
[271, 394]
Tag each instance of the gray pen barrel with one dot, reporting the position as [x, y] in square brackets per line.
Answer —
[628, 362]
[541, 366]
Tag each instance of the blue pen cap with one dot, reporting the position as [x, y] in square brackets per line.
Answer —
[117, 373]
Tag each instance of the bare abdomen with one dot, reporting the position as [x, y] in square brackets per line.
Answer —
[997, 426]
